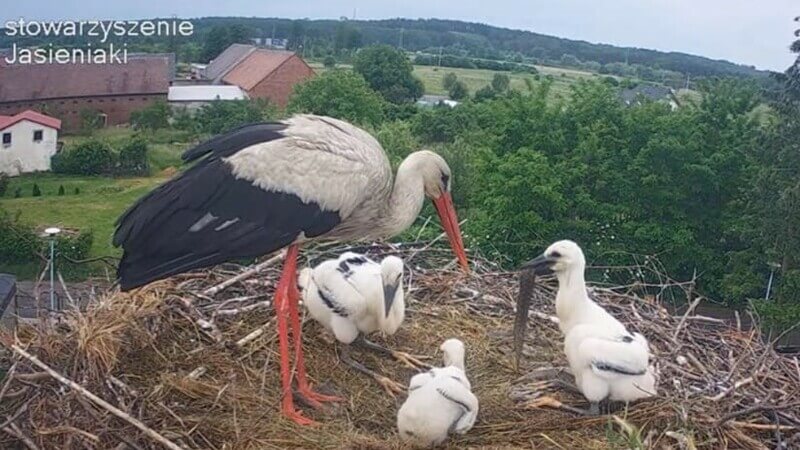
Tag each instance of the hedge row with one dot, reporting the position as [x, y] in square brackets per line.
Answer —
[95, 157]
[20, 244]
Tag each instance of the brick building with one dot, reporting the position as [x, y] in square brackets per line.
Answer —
[261, 73]
[65, 90]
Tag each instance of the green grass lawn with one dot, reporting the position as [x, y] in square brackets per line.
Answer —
[98, 204]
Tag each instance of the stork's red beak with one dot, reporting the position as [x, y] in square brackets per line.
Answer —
[447, 214]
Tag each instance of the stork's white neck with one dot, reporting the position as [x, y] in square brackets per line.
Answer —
[408, 195]
[572, 296]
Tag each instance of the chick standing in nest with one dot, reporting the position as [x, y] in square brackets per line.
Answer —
[609, 362]
[354, 295]
[440, 401]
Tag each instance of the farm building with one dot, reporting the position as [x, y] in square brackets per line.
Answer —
[430, 101]
[28, 141]
[261, 73]
[647, 92]
[191, 98]
[66, 90]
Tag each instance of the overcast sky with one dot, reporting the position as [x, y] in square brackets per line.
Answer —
[756, 32]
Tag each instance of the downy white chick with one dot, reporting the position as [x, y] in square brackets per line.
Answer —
[440, 401]
[608, 361]
[354, 295]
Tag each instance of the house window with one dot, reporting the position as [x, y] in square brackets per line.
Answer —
[37, 135]
[6, 139]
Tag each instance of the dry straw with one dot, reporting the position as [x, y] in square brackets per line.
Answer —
[191, 362]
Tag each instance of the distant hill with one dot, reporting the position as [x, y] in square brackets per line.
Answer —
[455, 38]
[486, 41]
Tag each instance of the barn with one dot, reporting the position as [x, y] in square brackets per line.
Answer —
[27, 142]
[65, 91]
[261, 73]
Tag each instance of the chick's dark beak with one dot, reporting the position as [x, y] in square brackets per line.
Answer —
[389, 292]
[541, 265]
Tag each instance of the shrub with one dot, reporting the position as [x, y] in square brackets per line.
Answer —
[449, 80]
[153, 117]
[222, 116]
[61, 190]
[485, 93]
[398, 140]
[133, 158]
[89, 158]
[36, 191]
[458, 91]
[3, 184]
[18, 192]
[91, 120]
[77, 191]
[18, 242]
[329, 62]
[500, 82]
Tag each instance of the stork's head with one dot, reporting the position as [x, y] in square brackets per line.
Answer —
[560, 257]
[392, 277]
[437, 180]
[453, 350]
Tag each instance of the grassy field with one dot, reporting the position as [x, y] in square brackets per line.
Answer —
[97, 205]
[99, 200]
[477, 78]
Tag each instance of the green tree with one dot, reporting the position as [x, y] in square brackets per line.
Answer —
[133, 158]
[485, 93]
[36, 191]
[458, 91]
[221, 37]
[389, 72]
[500, 82]
[91, 120]
[220, 116]
[338, 93]
[329, 62]
[154, 117]
[449, 80]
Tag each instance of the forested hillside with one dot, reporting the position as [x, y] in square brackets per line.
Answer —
[322, 37]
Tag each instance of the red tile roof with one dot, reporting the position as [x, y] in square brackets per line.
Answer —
[146, 74]
[33, 116]
[255, 67]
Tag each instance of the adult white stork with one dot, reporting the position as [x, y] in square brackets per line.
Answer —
[268, 186]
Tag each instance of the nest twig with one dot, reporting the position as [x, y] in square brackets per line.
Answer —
[194, 360]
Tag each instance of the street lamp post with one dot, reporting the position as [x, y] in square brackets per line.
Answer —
[51, 234]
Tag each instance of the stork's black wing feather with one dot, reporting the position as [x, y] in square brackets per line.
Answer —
[235, 140]
[207, 216]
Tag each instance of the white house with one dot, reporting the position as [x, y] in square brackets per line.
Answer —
[27, 142]
[192, 97]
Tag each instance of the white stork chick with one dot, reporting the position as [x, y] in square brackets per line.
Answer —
[352, 296]
[607, 360]
[440, 401]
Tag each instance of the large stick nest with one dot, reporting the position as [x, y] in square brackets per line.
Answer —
[202, 370]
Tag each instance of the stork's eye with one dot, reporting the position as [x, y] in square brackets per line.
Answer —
[555, 255]
[445, 181]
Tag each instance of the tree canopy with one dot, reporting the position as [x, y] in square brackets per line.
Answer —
[338, 93]
[389, 72]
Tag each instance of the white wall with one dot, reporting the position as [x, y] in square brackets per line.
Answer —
[24, 155]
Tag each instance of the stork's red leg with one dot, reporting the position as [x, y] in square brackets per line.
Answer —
[315, 399]
[284, 304]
